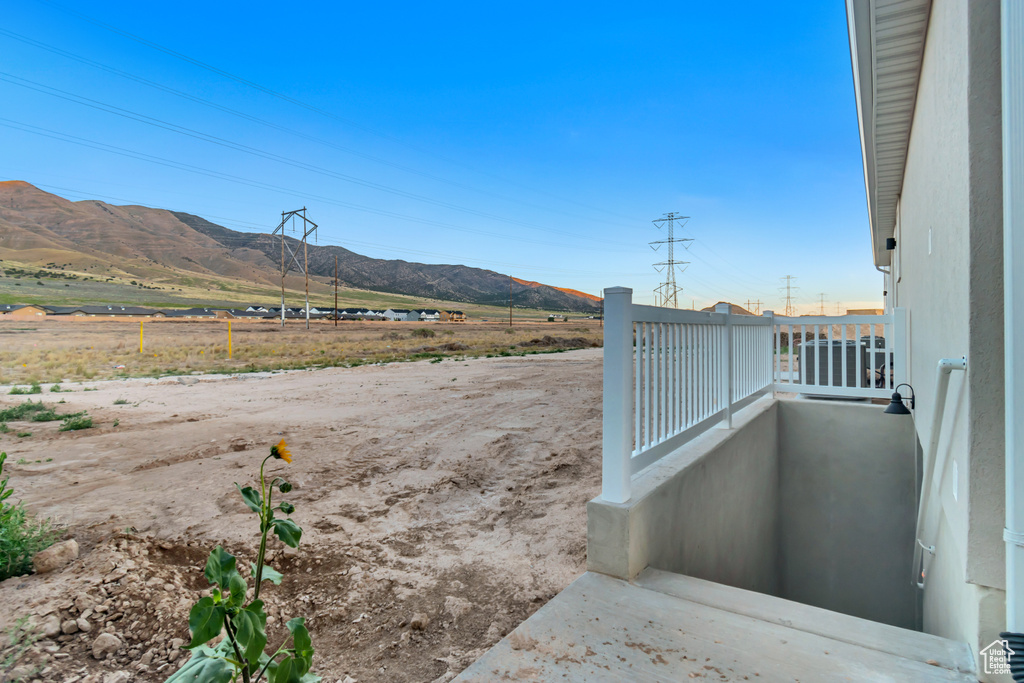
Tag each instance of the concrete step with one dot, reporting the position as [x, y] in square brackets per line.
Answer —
[664, 627]
[922, 647]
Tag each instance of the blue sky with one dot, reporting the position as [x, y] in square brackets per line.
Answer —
[538, 139]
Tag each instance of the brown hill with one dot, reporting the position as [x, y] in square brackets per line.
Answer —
[161, 246]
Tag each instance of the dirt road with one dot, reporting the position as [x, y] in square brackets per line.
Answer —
[453, 491]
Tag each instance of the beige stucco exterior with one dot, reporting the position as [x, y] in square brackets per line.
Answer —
[947, 272]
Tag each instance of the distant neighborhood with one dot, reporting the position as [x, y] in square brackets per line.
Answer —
[34, 311]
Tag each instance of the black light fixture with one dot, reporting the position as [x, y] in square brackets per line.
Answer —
[896, 406]
[890, 243]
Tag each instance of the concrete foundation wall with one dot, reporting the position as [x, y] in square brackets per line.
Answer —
[847, 509]
[810, 501]
[708, 510]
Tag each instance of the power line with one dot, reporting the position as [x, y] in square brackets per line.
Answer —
[291, 131]
[270, 156]
[141, 156]
[669, 291]
[297, 102]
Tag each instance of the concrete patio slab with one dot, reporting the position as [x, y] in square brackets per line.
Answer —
[666, 627]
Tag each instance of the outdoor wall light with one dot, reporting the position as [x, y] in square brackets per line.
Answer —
[890, 243]
[896, 406]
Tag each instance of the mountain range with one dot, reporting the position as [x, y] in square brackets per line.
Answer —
[163, 247]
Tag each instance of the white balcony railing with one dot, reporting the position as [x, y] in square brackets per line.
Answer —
[670, 375]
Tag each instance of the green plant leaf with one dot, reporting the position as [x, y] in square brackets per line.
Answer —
[288, 531]
[205, 621]
[301, 643]
[206, 665]
[250, 631]
[238, 588]
[251, 497]
[269, 574]
[218, 566]
[287, 671]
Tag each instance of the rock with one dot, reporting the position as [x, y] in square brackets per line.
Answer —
[419, 621]
[349, 679]
[84, 601]
[51, 626]
[56, 556]
[176, 643]
[147, 658]
[105, 643]
[83, 624]
[68, 627]
[188, 381]
[457, 606]
[117, 677]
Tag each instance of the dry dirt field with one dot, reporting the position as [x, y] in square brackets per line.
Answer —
[75, 349]
[451, 490]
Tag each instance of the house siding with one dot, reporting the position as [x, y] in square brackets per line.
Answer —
[948, 273]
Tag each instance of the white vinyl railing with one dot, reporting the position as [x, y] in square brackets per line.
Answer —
[851, 355]
[670, 375]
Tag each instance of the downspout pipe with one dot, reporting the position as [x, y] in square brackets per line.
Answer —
[930, 466]
[1012, 67]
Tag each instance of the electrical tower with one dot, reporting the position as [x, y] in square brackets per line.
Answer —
[790, 310]
[821, 304]
[308, 228]
[668, 291]
[757, 306]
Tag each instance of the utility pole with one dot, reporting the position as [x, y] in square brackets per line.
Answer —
[821, 304]
[839, 308]
[790, 311]
[308, 228]
[668, 290]
[335, 290]
[510, 302]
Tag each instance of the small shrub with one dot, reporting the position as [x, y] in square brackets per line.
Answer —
[34, 389]
[21, 536]
[21, 412]
[121, 402]
[23, 435]
[4, 429]
[20, 638]
[74, 422]
[424, 332]
[55, 389]
[509, 330]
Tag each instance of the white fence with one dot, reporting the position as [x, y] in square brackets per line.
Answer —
[670, 375]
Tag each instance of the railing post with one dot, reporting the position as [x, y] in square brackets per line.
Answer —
[899, 346]
[726, 362]
[771, 349]
[617, 442]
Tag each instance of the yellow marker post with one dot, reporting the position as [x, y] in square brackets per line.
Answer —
[140, 336]
[229, 340]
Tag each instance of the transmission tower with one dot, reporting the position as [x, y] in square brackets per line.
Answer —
[790, 310]
[668, 291]
[821, 304]
[756, 310]
[308, 228]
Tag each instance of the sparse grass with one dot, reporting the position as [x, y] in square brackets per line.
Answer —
[22, 411]
[56, 389]
[75, 422]
[423, 332]
[4, 429]
[23, 435]
[121, 402]
[34, 389]
[19, 639]
[82, 351]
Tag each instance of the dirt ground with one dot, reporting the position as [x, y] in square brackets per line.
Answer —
[453, 492]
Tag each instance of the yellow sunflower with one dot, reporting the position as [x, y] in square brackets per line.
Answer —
[280, 451]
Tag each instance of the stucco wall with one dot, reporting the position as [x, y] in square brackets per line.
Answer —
[847, 508]
[948, 275]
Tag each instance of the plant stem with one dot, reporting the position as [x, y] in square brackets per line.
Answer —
[238, 653]
[264, 527]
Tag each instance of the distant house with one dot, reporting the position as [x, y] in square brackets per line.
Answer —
[395, 313]
[453, 316]
[19, 312]
[425, 315]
